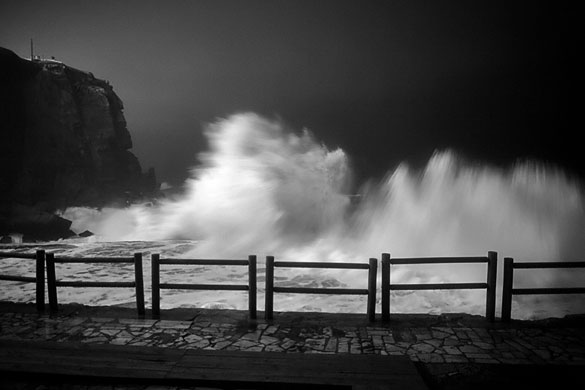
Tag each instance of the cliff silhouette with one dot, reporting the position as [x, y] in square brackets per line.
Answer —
[64, 142]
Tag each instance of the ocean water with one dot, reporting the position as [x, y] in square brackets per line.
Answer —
[265, 189]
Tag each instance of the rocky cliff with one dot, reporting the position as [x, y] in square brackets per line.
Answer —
[64, 142]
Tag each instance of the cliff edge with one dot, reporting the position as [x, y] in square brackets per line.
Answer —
[64, 142]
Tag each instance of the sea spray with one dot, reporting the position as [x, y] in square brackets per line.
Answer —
[264, 189]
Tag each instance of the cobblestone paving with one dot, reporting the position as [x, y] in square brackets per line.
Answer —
[551, 345]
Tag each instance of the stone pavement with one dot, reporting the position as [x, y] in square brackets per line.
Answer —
[456, 339]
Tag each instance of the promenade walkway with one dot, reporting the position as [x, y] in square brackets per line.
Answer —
[447, 349]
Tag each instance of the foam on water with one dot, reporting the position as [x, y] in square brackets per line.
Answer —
[264, 189]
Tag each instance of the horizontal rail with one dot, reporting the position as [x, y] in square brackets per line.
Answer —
[65, 283]
[251, 287]
[438, 260]
[508, 289]
[370, 292]
[185, 286]
[491, 261]
[53, 283]
[38, 279]
[202, 262]
[332, 291]
[18, 255]
[549, 264]
[324, 265]
[14, 278]
[89, 260]
[545, 290]
[439, 286]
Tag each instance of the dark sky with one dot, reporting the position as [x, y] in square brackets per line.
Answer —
[388, 81]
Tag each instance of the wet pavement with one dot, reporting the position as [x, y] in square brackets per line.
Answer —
[444, 344]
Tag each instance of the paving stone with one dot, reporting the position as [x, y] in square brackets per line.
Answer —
[452, 350]
[423, 347]
[378, 332]
[271, 330]
[437, 334]
[394, 348]
[422, 335]
[120, 341]
[253, 336]
[222, 344]
[331, 345]
[470, 349]
[318, 344]
[165, 324]
[355, 349]
[110, 332]
[444, 329]
[255, 348]
[243, 344]
[199, 344]
[430, 358]
[461, 335]
[267, 340]
[287, 344]
[483, 345]
[343, 347]
[434, 343]
[192, 338]
[516, 346]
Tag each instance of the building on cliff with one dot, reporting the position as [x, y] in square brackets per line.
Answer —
[64, 141]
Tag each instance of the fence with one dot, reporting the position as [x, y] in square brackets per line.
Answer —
[156, 262]
[53, 283]
[38, 279]
[372, 268]
[491, 259]
[509, 290]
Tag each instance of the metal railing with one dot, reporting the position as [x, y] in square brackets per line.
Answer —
[490, 286]
[372, 268]
[53, 283]
[509, 290]
[156, 262]
[38, 279]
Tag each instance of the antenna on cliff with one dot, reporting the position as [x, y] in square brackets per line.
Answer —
[31, 49]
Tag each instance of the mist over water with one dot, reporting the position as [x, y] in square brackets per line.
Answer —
[264, 189]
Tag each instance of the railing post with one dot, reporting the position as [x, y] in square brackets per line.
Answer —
[385, 287]
[51, 282]
[269, 297]
[155, 285]
[40, 280]
[252, 286]
[139, 280]
[372, 275]
[507, 289]
[492, 269]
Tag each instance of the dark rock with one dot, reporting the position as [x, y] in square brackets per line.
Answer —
[35, 224]
[86, 233]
